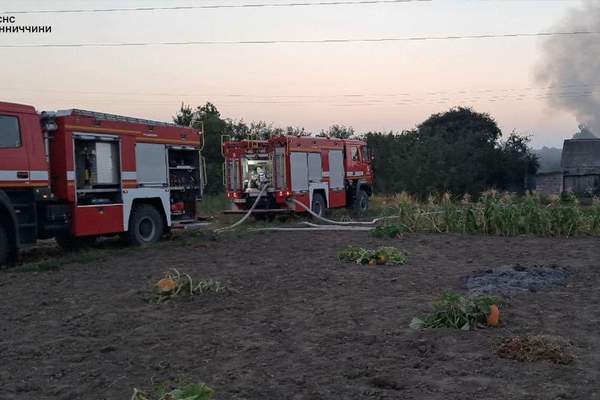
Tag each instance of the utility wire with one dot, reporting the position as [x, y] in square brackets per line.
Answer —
[367, 101]
[547, 89]
[305, 41]
[250, 5]
[217, 6]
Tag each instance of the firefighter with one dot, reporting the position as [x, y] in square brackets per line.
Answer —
[262, 176]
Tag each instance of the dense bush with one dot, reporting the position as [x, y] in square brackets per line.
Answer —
[458, 152]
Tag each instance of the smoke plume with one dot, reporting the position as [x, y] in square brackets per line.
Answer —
[570, 66]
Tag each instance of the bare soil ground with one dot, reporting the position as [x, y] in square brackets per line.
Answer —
[299, 324]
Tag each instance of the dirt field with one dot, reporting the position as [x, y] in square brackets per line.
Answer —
[298, 325]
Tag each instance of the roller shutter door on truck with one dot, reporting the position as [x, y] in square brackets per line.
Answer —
[299, 171]
[336, 169]
[151, 164]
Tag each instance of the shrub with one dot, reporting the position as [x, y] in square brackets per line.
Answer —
[379, 256]
[455, 311]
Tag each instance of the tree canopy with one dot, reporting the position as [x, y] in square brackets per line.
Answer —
[459, 151]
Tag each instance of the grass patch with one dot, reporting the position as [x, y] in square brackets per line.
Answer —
[213, 204]
[176, 284]
[452, 310]
[392, 231]
[187, 392]
[379, 256]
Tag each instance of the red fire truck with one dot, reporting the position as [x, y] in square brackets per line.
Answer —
[74, 175]
[320, 173]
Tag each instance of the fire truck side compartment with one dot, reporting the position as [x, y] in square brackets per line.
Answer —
[233, 175]
[97, 170]
[279, 168]
[299, 171]
[151, 164]
[185, 181]
[315, 168]
[336, 169]
[108, 159]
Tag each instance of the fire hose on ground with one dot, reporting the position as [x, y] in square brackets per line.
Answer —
[333, 225]
[245, 217]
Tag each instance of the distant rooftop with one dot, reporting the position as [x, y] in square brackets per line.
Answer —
[581, 156]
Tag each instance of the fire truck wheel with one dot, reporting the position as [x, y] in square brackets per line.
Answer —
[4, 247]
[361, 203]
[145, 225]
[318, 204]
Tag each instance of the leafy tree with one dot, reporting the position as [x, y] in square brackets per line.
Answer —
[518, 161]
[261, 130]
[184, 115]
[458, 151]
[264, 131]
[237, 130]
[296, 131]
[459, 146]
[338, 132]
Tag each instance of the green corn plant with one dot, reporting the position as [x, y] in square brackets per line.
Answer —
[494, 214]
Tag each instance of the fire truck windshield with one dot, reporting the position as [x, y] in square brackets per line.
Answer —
[10, 136]
[256, 174]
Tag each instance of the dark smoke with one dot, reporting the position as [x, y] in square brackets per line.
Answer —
[570, 66]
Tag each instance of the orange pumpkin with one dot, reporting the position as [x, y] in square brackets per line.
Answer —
[166, 285]
[381, 260]
[493, 317]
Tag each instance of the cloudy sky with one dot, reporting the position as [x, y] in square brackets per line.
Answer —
[370, 86]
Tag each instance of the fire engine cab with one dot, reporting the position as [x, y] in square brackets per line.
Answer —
[74, 175]
[320, 173]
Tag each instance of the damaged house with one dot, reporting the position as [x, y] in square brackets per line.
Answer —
[580, 164]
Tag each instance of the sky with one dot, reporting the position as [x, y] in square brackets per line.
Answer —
[390, 86]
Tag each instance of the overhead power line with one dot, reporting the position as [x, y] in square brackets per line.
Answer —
[221, 6]
[217, 6]
[549, 89]
[307, 41]
[431, 98]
